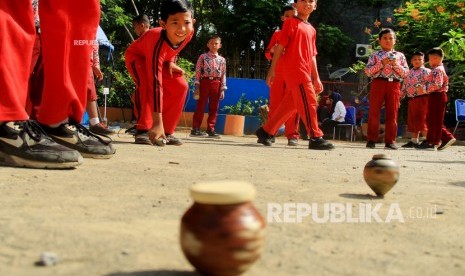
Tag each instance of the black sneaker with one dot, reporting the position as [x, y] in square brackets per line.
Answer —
[141, 137]
[389, 146]
[409, 145]
[75, 136]
[173, 141]
[101, 129]
[320, 144]
[426, 146]
[213, 134]
[25, 144]
[131, 131]
[371, 145]
[444, 145]
[195, 132]
[272, 139]
[293, 142]
[263, 137]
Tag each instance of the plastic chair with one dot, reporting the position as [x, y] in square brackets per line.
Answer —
[349, 122]
[459, 113]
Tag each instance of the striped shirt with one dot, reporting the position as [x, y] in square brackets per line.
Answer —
[211, 65]
[415, 78]
[94, 58]
[376, 69]
[154, 47]
[438, 81]
[35, 8]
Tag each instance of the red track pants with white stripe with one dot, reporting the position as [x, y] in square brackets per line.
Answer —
[299, 98]
[174, 95]
[277, 92]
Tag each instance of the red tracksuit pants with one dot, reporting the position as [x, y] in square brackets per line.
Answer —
[437, 132]
[68, 28]
[299, 98]
[209, 92]
[277, 92]
[387, 93]
[174, 95]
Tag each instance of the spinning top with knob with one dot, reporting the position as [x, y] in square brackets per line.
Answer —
[381, 174]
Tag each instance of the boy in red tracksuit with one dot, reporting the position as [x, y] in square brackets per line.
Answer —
[298, 37]
[438, 136]
[175, 89]
[387, 68]
[66, 63]
[278, 88]
[417, 99]
[145, 59]
[210, 84]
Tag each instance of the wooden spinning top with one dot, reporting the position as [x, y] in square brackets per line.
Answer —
[222, 233]
[381, 174]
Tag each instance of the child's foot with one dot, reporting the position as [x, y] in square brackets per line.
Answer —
[263, 137]
[444, 145]
[293, 142]
[213, 134]
[389, 146]
[141, 137]
[101, 128]
[195, 132]
[173, 141]
[25, 144]
[426, 146]
[320, 144]
[371, 145]
[75, 136]
[409, 145]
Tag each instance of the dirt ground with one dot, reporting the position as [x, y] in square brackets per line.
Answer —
[121, 216]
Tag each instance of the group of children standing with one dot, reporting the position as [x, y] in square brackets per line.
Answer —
[425, 88]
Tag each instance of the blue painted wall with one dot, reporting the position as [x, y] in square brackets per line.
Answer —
[252, 88]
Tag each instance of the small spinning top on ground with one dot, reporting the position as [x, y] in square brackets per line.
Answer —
[222, 233]
[381, 174]
[160, 142]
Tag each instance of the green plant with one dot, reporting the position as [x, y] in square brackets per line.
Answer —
[245, 107]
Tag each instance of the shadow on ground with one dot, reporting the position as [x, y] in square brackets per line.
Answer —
[361, 196]
[155, 273]
[459, 184]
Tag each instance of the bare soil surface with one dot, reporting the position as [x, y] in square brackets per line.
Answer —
[121, 216]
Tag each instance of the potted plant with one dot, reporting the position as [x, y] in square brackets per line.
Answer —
[242, 117]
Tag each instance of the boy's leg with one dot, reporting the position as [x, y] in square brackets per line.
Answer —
[435, 117]
[447, 139]
[22, 142]
[94, 121]
[36, 81]
[142, 99]
[66, 40]
[201, 104]
[213, 104]
[377, 92]
[392, 97]
[16, 40]
[302, 99]
[282, 113]
[292, 127]
[277, 92]
[174, 95]
[306, 103]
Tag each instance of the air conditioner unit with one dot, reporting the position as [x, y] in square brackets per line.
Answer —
[362, 50]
